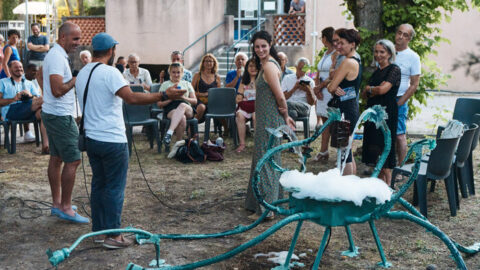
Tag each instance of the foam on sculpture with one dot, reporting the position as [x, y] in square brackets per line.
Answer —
[331, 186]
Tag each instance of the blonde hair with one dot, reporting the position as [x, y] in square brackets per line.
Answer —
[175, 65]
[215, 63]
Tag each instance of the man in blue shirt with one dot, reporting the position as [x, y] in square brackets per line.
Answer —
[234, 77]
[19, 98]
[38, 46]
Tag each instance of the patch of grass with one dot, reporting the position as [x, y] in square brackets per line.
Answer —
[222, 174]
[196, 194]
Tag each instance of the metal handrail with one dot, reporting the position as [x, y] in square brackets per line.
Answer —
[203, 36]
[256, 28]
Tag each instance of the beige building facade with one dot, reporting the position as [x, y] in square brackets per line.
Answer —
[153, 29]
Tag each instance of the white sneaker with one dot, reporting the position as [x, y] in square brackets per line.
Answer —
[29, 137]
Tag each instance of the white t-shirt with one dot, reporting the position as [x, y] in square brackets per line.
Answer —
[103, 117]
[409, 63]
[143, 77]
[183, 85]
[289, 81]
[56, 62]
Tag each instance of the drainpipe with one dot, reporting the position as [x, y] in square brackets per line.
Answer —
[314, 34]
[25, 50]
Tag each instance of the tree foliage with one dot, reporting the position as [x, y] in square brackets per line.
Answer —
[423, 15]
[7, 8]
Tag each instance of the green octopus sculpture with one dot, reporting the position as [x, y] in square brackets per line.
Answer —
[324, 212]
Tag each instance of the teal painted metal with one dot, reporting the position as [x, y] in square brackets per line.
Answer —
[384, 263]
[327, 214]
[323, 246]
[200, 38]
[352, 250]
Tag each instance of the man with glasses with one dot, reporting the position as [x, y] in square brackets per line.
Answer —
[409, 63]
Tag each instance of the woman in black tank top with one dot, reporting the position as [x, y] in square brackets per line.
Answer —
[345, 83]
[203, 80]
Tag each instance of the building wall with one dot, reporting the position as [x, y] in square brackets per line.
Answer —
[153, 29]
[463, 36]
[460, 31]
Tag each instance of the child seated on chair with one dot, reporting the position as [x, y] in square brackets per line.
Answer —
[177, 110]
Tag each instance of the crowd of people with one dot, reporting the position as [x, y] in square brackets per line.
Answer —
[268, 93]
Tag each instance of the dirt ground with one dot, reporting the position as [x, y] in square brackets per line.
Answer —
[217, 189]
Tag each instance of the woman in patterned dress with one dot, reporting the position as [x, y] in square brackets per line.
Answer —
[271, 112]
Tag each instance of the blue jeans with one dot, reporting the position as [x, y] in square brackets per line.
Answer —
[402, 118]
[109, 162]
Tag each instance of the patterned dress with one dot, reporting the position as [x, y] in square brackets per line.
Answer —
[267, 116]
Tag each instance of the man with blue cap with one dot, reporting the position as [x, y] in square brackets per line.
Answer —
[106, 142]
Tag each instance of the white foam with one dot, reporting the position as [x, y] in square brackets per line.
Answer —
[331, 186]
[279, 258]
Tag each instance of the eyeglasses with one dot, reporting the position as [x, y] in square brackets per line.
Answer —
[403, 34]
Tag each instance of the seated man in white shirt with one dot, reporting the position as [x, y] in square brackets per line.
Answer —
[134, 74]
[298, 90]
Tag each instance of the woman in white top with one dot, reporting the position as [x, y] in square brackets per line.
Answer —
[246, 101]
[323, 96]
[137, 75]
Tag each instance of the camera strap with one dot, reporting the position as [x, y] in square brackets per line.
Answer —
[81, 129]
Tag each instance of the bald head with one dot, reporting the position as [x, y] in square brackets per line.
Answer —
[69, 35]
[67, 27]
[283, 59]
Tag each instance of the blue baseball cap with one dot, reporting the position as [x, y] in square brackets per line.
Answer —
[103, 41]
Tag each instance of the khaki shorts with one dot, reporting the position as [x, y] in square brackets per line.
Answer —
[62, 132]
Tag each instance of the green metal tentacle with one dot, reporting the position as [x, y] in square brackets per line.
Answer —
[235, 251]
[268, 157]
[433, 229]
[59, 256]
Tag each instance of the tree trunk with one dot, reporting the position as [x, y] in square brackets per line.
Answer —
[81, 8]
[368, 15]
[70, 7]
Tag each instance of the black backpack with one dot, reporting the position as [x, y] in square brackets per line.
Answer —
[190, 152]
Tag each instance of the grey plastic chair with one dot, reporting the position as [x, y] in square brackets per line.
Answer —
[155, 109]
[468, 168]
[12, 125]
[463, 152]
[221, 104]
[139, 115]
[6, 140]
[438, 167]
[458, 170]
[465, 109]
[137, 88]
[306, 124]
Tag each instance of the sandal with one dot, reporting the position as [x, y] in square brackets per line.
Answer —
[240, 148]
[321, 156]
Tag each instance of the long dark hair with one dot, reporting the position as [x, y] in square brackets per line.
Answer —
[328, 34]
[246, 79]
[267, 37]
